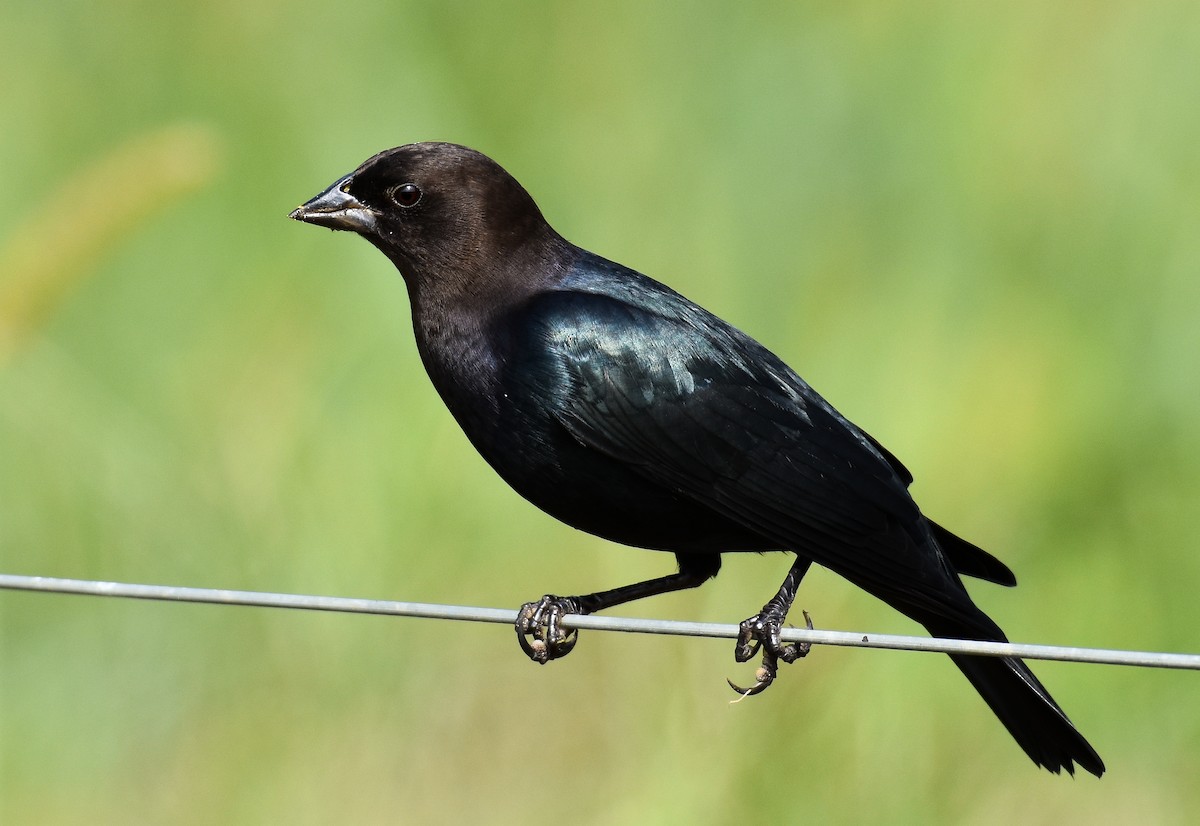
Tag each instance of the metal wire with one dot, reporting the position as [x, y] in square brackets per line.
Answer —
[1145, 659]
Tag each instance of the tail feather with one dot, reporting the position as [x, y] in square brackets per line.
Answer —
[1025, 708]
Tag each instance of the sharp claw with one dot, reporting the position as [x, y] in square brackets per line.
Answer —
[744, 692]
[762, 680]
[757, 688]
[566, 644]
[795, 650]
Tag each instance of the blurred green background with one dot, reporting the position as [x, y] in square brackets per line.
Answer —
[973, 228]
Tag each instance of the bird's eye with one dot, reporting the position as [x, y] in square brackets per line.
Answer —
[406, 195]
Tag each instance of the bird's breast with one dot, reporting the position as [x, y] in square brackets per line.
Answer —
[508, 398]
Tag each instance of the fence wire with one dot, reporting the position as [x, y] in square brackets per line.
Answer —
[853, 639]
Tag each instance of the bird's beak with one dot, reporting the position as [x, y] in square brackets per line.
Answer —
[337, 209]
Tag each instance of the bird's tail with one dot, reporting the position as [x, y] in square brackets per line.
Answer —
[1023, 704]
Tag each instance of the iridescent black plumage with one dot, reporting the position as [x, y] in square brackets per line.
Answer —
[618, 406]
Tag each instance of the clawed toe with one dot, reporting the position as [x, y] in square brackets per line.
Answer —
[763, 677]
[762, 632]
[539, 629]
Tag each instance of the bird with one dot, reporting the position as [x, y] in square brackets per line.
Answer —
[621, 408]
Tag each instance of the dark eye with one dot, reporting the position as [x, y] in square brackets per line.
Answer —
[406, 195]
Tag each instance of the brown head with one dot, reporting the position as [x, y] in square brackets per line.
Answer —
[452, 220]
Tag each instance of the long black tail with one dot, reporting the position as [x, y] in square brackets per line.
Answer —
[1023, 704]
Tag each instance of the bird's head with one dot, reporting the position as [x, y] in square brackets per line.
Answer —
[441, 212]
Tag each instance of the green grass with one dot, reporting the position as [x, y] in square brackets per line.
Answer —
[972, 228]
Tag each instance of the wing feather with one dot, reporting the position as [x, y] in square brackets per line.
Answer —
[698, 407]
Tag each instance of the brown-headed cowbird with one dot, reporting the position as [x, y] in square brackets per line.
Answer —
[620, 407]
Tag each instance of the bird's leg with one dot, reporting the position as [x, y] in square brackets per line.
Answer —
[761, 631]
[539, 628]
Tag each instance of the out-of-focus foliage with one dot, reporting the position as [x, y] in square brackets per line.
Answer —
[974, 228]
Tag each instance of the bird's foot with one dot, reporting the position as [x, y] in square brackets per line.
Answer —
[761, 631]
[539, 631]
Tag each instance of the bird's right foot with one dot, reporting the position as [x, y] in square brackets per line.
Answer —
[762, 632]
[539, 631]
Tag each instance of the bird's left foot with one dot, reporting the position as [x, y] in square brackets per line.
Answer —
[761, 631]
[539, 631]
